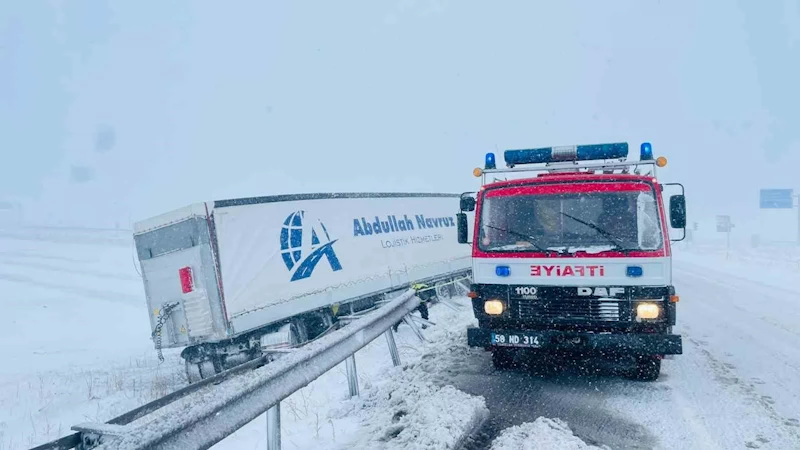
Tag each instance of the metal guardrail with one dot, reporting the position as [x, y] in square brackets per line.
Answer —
[202, 414]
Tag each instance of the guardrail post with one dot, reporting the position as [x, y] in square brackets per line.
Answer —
[411, 324]
[274, 427]
[352, 375]
[392, 347]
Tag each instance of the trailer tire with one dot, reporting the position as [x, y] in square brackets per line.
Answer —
[300, 331]
[193, 372]
[317, 323]
[207, 368]
[443, 290]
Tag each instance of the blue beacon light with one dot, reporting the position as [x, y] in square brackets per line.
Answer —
[490, 162]
[646, 153]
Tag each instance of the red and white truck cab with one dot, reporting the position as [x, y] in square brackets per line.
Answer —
[575, 256]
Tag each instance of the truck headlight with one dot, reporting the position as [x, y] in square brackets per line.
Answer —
[648, 310]
[494, 307]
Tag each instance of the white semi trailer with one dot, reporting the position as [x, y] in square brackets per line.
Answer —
[230, 279]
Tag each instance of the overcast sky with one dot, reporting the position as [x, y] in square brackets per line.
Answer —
[116, 111]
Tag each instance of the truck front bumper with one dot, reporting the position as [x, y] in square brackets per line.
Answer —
[638, 344]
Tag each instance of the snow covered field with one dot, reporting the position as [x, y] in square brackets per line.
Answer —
[74, 334]
[76, 341]
[77, 348]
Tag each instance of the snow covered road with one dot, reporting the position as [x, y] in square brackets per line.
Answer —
[77, 348]
[737, 385]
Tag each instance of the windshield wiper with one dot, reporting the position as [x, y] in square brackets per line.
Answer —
[610, 237]
[528, 238]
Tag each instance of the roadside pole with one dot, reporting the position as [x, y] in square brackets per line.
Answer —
[798, 218]
[724, 225]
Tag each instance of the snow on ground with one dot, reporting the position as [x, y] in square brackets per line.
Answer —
[541, 434]
[75, 336]
[76, 339]
[736, 384]
[402, 407]
[74, 333]
[776, 265]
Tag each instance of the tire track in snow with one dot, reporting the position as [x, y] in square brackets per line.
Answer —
[61, 269]
[44, 257]
[515, 397]
[725, 374]
[86, 292]
[699, 431]
[742, 331]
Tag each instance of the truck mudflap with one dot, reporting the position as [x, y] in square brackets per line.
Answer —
[639, 344]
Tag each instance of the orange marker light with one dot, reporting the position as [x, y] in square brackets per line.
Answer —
[661, 161]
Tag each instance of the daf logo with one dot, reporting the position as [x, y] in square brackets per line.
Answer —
[601, 291]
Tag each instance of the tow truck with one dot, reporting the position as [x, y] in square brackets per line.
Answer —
[574, 256]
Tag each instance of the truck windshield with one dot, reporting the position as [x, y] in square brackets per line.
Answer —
[570, 222]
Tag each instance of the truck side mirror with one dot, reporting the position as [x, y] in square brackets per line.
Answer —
[677, 211]
[467, 203]
[463, 230]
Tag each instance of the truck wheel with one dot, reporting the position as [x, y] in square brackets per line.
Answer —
[647, 369]
[207, 369]
[193, 372]
[502, 359]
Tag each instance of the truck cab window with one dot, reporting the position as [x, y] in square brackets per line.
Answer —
[625, 219]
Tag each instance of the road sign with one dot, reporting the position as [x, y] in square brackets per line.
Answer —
[776, 199]
[724, 224]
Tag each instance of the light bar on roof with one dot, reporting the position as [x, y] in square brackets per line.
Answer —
[617, 150]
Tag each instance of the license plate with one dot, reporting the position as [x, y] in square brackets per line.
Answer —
[516, 340]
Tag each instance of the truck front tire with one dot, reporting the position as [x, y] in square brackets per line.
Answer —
[648, 368]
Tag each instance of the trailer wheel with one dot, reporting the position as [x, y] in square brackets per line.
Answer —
[317, 323]
[647, 369]
[207, 369]
[443, 290]
[299, 331]
[193, 372]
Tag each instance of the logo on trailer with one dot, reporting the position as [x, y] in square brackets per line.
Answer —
[304, 242]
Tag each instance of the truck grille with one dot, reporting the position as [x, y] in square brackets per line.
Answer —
[570, 309]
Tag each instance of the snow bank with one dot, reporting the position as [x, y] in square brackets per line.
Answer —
[410, 407]
[542, 434]
[411, 412]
